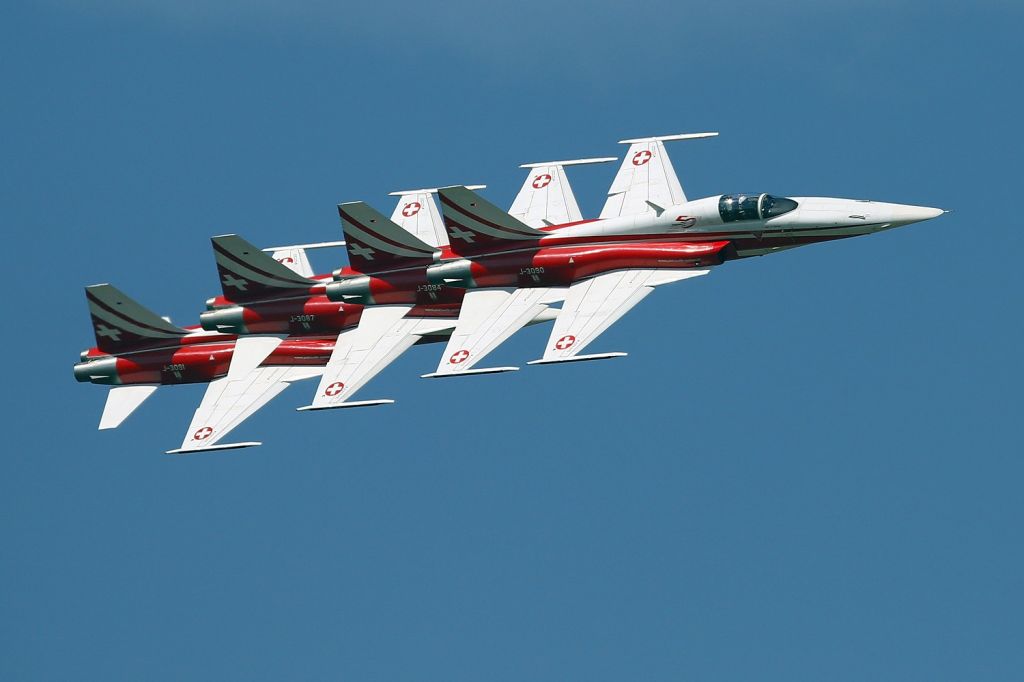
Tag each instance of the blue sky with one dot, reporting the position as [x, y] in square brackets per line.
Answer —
[808, 467]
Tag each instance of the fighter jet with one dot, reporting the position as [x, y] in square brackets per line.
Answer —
[648, 234]
[471, 272]
[138, 351]
[386, 281]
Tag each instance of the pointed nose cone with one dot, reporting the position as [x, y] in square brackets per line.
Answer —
[904, 214]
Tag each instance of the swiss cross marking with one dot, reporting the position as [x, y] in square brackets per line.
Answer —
[361, 251]
[334, 389]
[203, 433]
[235, 282]
[641, 157]
[459, 233]
[565, 342]
[109, 333]
[411, 209]
[541, 181]
[458, 357]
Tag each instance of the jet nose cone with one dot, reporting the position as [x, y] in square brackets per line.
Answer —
[905, 214]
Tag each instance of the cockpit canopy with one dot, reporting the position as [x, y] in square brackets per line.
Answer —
[733, 207]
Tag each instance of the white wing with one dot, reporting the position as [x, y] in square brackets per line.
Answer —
[488, 317]
[646, 181]
[416, 213]
[546, 197]
[593, 305]
[295, 258]
[361, 353]
[227, 403]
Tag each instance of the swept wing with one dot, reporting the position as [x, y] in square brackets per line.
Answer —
[546, 197]
[228, 402]
[646, 181]
[488, 317]
[593, 305]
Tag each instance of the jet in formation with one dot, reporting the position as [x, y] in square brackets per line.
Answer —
[456, 270]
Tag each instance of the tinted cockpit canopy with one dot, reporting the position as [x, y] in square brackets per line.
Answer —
[733, 207]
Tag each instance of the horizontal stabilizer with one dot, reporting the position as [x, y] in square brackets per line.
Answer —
[122, 401]
[249, 353]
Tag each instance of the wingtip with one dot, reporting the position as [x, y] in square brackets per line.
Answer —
[338, 406]
[225, 446]
[468, 372]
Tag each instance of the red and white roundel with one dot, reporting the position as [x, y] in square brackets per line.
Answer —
[541, 181]
[334, 389]
[411, 209]
[459, 357]
[565, 342]
[203, 433]
[641, 157]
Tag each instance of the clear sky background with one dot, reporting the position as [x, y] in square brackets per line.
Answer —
[809, 467]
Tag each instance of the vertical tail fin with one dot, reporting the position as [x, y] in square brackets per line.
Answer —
[475, 224]
[248, 274]
[376, 244]
[546, 197]
[122, 324]
[646, 180]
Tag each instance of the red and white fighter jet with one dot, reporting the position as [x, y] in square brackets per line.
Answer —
[479, 277]
[648, 234]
